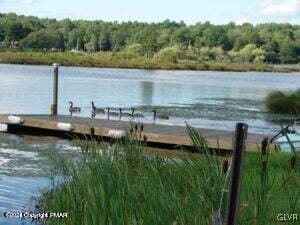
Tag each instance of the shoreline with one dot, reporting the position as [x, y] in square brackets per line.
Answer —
[109, 60]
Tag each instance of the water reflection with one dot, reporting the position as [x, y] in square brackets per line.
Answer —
[147, 92]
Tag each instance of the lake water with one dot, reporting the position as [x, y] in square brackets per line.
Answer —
[203, 99]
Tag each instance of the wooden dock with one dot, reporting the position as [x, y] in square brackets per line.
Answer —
[159, 135]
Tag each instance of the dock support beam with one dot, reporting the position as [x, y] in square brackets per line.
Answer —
[236, 173]
[55, 90]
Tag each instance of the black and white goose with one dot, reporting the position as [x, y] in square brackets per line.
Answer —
[96, 110]
[73, 109]
[136, 115]
[161, 117]
[112, 113]
[124, 113]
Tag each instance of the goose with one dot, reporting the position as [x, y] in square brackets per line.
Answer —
[124, 114]
[162, 117]
[137, 115]
[112, 113]
[96, 110]
[73, 109]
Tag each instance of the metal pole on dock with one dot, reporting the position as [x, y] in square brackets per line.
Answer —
[241, 130]
[55, 90]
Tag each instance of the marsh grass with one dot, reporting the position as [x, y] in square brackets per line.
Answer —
[285, 103]
[119, 184]
[121, 60]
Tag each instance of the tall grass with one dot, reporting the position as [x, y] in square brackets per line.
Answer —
[121, 60]
[122, 185]
[286, 103]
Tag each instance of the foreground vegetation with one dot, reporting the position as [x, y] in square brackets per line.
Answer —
[124, 186]
[286, 103]
[121, 60]
[168, 41]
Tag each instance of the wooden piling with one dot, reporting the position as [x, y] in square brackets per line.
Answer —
[92, 133]
[55, 90]
[236, 173]
[264, 146]
[264, 149]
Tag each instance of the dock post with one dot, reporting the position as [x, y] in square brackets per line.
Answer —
[241, 130]
[55, 90]
[264, 149]
[264, 146]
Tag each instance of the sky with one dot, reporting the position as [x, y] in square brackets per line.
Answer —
[190, 11]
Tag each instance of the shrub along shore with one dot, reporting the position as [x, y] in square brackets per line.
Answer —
[285, 103]
[123, 60]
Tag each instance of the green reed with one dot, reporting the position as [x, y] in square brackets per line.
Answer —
[121, 60]
[120, 184]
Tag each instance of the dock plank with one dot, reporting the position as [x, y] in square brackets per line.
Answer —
[156, 133]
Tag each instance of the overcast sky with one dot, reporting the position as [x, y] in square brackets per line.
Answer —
[190, 11]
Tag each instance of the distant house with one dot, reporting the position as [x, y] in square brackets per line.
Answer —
[56, 50]
[14, 44]
[78, 51]
[74, 50]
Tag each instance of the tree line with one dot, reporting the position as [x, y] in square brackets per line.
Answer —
[167, 40]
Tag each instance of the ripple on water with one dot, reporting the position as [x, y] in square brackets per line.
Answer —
[25, 169]
[18, 153]
[3, 161]
[17, 194]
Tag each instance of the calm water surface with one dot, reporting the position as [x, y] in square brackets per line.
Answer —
[203, 99]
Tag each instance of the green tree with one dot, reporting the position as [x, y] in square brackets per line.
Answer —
[218, 54]
[14, 31]
[95, 42]
[89, 47]
[75, 40]
[204, 54]
[164, 39]
[259, 55]
[216, 36]
[43, 39]
[182, 36]
[104, 39]
[118, 40]
[2, 32]
[271, 49]
[288, 51]
[147, 38]
[271, 42]
[168, 54]
[249, 54]
[246, 53]
[136, 49]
